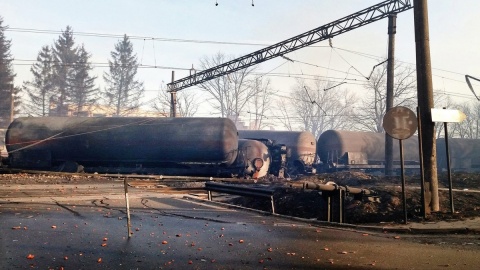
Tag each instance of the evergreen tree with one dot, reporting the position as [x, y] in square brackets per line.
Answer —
[65, 57]
[123, 91]
[6, 78]
[41, 89]
[83, 90]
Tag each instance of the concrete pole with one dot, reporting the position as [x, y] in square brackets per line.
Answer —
[425, 104]
[392, 30]
[173, 99]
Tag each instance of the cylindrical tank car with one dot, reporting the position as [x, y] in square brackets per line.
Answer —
[342, 150]
[464, 154]
[300, 147]
[185, 146]
[253, 159]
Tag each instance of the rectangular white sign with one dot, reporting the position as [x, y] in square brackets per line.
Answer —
[449, 116]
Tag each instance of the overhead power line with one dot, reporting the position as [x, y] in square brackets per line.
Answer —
[103, 35]
[348, 23]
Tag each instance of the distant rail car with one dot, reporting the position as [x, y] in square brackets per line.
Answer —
[300, 149]
[464, 154]
[352, 150]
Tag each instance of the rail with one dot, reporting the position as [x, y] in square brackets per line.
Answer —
[241, 191]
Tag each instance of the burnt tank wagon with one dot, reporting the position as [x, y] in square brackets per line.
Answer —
[464, 154]
[187, 146]
[343, 150]
[253, 159]
[300, 148]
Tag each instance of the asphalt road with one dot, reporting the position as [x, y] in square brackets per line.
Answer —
[84, 226]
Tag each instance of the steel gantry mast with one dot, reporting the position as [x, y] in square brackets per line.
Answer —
[350, 22]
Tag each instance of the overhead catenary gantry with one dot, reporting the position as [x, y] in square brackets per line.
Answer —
[330, 30]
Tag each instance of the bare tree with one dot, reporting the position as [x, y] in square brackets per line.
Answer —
[187, 102]
[320, 110]
[285, 107]
[229, 93]
[373, 107]
[476, 115]
[260, 103]
[466, 128]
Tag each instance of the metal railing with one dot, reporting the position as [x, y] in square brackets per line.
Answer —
[241, 191]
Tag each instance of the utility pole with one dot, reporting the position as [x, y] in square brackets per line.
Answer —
[12, 109]
[392, 30]
[173, 99]
[425, 104]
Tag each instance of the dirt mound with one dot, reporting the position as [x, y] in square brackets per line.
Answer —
[385, 206]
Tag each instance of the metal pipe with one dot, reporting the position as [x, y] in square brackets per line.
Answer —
[129, 225]
[323, 187]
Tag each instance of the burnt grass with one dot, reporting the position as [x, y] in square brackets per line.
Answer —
[385, 207]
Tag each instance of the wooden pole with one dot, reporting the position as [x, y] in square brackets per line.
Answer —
[425, 103]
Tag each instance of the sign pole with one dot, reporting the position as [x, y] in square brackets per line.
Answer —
[449, 170]
[401, 123]
[404, 195]
[448, 116]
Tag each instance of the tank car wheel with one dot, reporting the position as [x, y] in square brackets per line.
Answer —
[71, 167]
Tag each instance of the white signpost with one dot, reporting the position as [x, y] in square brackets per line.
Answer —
[448, 116]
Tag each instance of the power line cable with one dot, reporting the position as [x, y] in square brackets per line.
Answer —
[102, 35]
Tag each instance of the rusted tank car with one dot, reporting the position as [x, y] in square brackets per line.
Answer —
[343, 150]
[253, 159]
[300, 147]
[186, 146]
[464, 154]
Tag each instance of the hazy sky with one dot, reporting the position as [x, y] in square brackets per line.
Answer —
[181, 27]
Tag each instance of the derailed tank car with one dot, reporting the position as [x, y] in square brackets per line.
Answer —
[253, 159]
[464, 154]
[345, 150]
[171, 146]
[300, 147]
